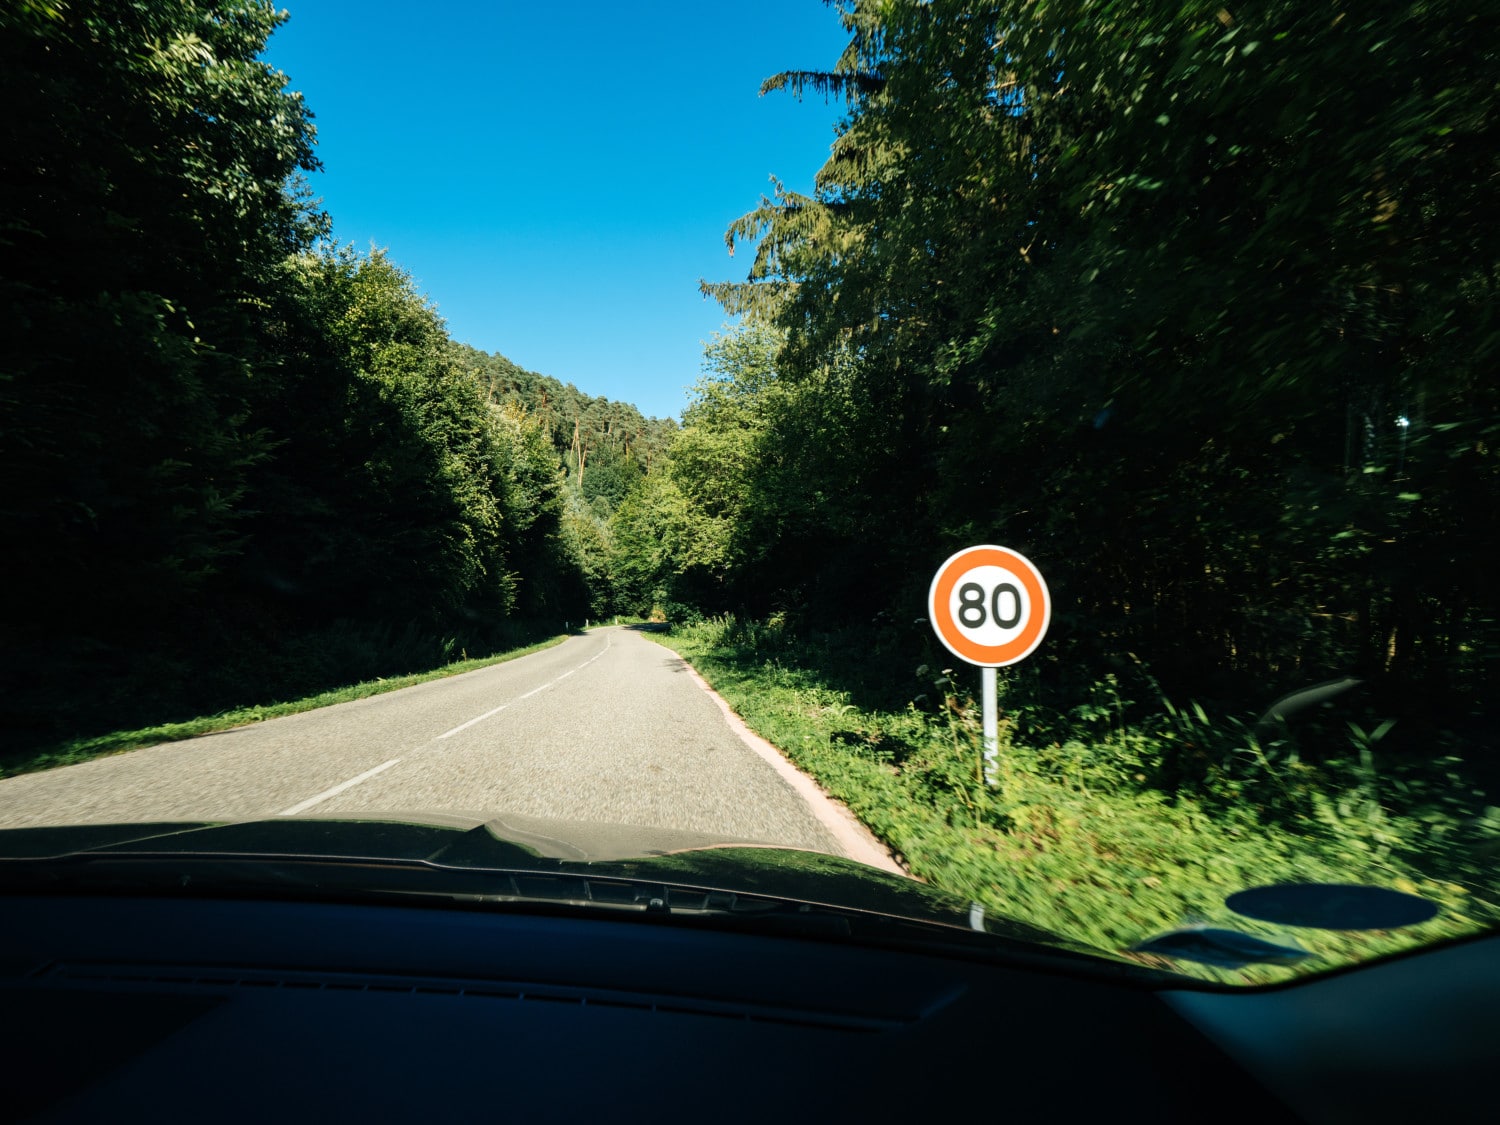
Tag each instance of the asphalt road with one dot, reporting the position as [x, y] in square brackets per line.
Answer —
[603, 727]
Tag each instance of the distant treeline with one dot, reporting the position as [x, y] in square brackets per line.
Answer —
[605, 431]
[240, 461]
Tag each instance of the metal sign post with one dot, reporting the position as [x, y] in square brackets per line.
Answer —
[990, 606]
[991, 707]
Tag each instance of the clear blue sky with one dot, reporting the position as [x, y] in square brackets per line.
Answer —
[556, 177]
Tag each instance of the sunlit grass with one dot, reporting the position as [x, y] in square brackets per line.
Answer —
[1068, 840]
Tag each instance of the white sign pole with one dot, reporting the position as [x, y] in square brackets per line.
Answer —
[991, 727]
[989, 606]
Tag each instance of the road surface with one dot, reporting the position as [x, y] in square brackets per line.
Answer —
[603, 727]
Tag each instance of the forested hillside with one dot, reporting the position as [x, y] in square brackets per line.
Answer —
[241, 461]
[596, 431]
[605, 449]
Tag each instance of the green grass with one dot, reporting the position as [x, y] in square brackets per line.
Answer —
[1074, 838]
[76, 750]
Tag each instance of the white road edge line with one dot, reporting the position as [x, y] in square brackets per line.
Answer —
[534, 691]
[858, 842]
[337, 789]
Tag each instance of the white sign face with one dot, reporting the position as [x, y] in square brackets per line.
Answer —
[989, 605]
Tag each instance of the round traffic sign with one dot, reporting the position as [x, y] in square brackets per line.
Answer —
[989, 605]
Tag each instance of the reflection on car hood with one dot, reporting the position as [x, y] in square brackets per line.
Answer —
[463, 839]
[512, 842]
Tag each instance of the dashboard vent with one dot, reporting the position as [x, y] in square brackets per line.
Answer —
[220, 980]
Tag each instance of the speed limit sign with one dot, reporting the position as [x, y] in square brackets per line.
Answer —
[989, 605]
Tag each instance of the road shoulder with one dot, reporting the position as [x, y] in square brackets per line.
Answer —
[854, 838]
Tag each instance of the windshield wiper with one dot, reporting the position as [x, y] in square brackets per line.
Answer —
[573, 893]
[367, 878]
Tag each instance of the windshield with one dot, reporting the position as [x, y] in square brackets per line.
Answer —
[1038, 451]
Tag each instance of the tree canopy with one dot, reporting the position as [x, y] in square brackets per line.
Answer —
[240, 459]
[1195, 305]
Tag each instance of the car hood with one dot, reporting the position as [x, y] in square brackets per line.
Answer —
[472, 844]
[464, 839]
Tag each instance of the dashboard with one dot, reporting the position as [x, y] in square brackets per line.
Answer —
[163, 1009]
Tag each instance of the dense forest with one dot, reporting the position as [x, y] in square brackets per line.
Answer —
[1196, 306]
[241, 461]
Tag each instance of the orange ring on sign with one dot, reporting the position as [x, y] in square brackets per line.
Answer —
[993, 656]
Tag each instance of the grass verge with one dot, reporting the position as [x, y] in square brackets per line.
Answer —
[1073, 838]
[76, 750]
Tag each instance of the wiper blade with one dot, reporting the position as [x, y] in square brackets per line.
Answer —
[419, 881]
[370, 880]
[174, 871]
